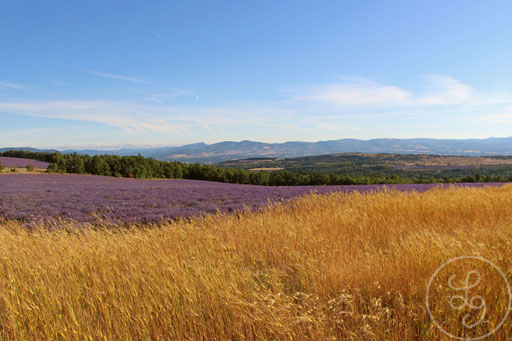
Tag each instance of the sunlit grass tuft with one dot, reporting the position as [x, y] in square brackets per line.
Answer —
[345, 266]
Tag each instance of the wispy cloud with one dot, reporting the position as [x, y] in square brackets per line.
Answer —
[503, 116]
[162, 96]
[22, 132]
[444, 90]
[57, 82]
[441, 106]
[123, 115]
[136, 117]
[357, 106]
[9, 85]
[362, 94]
[114, 76]
[358, 93]
[102, 146]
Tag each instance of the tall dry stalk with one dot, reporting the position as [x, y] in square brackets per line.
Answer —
[339, 266]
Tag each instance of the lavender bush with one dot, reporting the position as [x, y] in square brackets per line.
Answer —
[91, 199]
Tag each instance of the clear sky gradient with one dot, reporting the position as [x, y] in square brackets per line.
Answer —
[116, 73]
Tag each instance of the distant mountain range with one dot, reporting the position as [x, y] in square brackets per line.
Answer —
[230, 150]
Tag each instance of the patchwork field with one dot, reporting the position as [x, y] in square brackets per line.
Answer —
[33, 198]
[404, 165]
[347, 266]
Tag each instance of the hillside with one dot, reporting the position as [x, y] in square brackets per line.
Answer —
[230, 150]
[405, 165]
[335, 169]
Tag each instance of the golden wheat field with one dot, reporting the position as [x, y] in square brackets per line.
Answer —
[325, 267]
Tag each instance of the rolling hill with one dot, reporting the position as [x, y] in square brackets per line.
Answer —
[404, 165]
[231, 150]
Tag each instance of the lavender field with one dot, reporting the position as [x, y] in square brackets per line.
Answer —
[20, 163]
[92, 199]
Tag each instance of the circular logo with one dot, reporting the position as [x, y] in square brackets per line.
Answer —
[468, 298]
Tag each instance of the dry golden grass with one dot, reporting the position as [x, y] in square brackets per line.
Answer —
[339, 266]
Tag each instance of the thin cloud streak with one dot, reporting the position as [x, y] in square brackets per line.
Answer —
[10, 85]
[162, 96]
[113, 76]
[359, 98]
[57, 82]
[358, 94]
[356, 106]
[504, 116]
[144, 118]
[440, 90]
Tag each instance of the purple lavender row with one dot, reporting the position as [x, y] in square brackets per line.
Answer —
[20, 163]
[92, 199]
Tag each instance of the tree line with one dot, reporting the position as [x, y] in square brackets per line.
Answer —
[140, 167]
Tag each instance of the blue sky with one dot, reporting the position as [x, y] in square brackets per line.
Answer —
[116, 73]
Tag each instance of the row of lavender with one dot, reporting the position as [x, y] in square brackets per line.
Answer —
[91, 199]
[21, 163]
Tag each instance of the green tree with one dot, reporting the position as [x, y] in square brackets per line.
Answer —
[75, 164]
[100, 166]
[58, 163]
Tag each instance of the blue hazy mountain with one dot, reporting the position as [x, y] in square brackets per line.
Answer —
[230, 150]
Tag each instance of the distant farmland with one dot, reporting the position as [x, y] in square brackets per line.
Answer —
[404, 165]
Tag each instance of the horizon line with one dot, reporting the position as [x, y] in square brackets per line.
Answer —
[107, 147]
